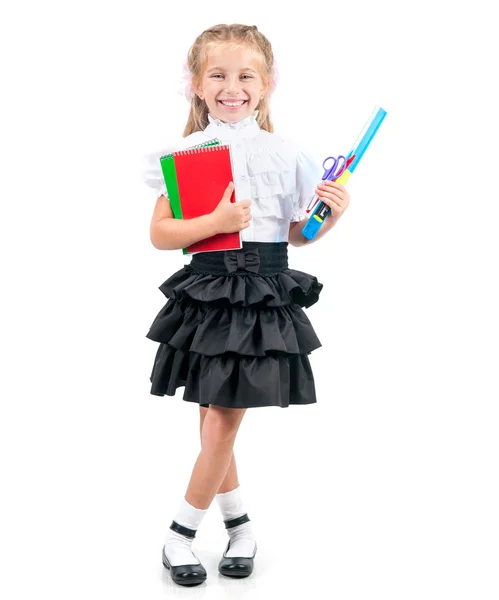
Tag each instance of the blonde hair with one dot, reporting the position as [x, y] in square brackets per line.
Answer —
[197, 58]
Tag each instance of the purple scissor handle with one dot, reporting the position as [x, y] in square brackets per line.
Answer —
[335, 170]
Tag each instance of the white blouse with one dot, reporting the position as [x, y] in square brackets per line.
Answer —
[276, 176]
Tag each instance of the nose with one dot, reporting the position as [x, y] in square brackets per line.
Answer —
[233, 84]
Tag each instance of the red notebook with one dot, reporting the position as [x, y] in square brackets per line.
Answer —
[203, 175]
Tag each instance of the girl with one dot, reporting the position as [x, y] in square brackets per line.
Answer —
[233, 331]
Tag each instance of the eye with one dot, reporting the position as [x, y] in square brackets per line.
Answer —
[248, 76]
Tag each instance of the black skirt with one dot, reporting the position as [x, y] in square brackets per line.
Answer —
[233, 331]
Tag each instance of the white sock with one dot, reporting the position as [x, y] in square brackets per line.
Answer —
[177, 546]
[242, 540]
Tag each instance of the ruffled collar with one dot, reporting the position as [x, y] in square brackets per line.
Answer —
[247, 127]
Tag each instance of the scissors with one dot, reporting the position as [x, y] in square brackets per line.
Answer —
[336, 169]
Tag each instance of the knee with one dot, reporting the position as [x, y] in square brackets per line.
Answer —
[219, 430]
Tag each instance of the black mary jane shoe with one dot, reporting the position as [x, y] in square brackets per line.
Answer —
[186, 574]
[236, 566]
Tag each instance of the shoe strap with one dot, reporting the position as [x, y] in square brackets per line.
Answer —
[237, 521]
[190, 533]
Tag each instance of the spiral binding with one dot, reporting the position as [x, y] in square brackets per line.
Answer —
[192, 149]
[200, 150]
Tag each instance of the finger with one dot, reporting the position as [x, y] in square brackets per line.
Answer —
[332, 189]
[331, 196]
[335, 197]
[334, 184]
[332, 203]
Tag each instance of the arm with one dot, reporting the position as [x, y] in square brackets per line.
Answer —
[297, 239]
[168, 233]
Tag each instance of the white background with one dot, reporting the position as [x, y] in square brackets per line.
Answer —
[387, 487]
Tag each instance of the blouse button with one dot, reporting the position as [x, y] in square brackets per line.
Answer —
[243, 177]
[238, 145]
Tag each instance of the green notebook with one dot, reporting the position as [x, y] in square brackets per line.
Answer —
[170, 177]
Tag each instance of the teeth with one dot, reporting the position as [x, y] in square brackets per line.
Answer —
[240, 103]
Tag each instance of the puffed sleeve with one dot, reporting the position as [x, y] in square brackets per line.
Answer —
[309, 173]
[152, 174]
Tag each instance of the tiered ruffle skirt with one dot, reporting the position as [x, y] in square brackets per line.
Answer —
[233, 331]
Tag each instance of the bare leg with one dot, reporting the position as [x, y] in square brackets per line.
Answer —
[217, 438]
[230, 481]
[242, 539]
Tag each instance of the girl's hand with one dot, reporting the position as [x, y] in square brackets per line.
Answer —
[336, 197]
[231, 216]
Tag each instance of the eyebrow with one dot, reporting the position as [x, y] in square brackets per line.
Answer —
[222, 69]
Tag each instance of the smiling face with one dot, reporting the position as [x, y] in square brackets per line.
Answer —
[231, 84]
